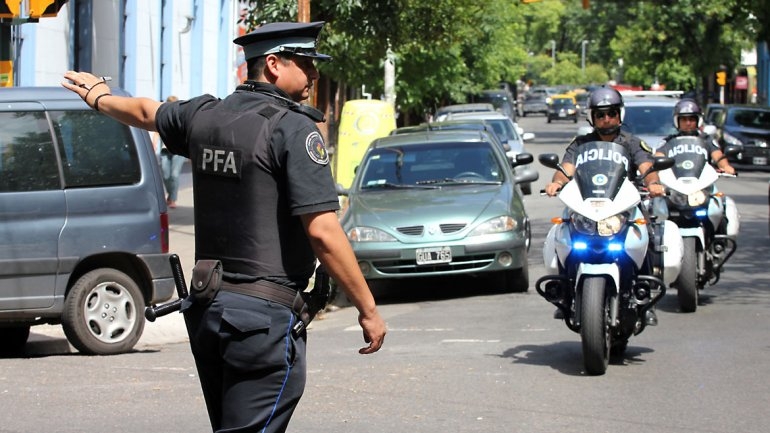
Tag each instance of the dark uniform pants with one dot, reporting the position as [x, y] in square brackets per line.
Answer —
[252, 370]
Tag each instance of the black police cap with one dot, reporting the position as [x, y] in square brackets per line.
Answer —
[294, 38]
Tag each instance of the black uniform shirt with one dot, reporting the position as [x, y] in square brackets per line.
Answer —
[250, 189]
[637, 149]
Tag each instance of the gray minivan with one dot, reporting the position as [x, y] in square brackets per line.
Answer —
[83, 223]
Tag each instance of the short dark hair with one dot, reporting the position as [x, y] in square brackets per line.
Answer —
[256, 65]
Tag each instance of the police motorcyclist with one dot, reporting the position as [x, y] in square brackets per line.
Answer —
[688, 120]
[605, 114]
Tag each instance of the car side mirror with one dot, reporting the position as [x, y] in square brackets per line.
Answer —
[527, 136]
[341, 190]
[710, 130]
[522, 159]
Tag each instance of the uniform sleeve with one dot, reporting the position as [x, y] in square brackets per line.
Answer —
[173, 118]
[569, 153]
[302, 153]
[641, 152]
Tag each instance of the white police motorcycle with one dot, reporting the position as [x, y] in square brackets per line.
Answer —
[699, 211]
[599, 274]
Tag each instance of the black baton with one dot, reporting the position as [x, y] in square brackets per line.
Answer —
[153, 312]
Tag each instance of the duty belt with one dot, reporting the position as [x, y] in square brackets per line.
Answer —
[268, 291]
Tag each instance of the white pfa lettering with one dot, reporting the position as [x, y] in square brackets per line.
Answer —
[601, 154]
[221, 161]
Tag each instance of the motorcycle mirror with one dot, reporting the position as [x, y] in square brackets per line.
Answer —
[732, 150]
[661, 163]
[550, 160]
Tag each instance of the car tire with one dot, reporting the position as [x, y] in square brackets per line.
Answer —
[103, 313]
[13, 339]
[549, 119]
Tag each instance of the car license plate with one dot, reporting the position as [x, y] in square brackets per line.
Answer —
[562, 114]
[428, 256]
[759, 160]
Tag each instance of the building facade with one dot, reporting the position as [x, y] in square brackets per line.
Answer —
[151, 48]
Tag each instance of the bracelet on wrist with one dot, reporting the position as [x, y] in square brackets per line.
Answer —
[96, 101]
[85, 98]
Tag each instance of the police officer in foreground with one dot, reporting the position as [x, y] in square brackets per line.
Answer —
[605, 114]
[265, 207]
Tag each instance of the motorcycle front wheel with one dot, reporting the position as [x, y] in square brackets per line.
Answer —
[687, 282]
[595, 325]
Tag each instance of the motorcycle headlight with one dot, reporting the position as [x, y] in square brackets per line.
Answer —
[582, 224]
[495, 225]
[697, 198]
[612, 225]
[678, 199]
[368, 234]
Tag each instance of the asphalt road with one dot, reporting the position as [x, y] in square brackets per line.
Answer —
[459, 356]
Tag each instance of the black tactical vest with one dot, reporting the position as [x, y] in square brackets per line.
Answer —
[240, 213]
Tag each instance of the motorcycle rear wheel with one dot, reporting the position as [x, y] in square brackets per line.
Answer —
[595, 325]
[687, 282]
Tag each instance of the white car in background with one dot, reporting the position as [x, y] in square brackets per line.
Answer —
[508, 132]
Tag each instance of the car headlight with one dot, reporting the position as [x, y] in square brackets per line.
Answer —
[369, 234]
[697, 198]
[582, 224]
[731, 139]
[500, 224]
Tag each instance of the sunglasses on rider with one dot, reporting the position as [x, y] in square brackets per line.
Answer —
[611, 113]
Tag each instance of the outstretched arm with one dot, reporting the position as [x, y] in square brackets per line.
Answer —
[133, 111]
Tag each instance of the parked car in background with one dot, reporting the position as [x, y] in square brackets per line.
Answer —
[562, 107]
[506, 131]
[443, 112]
[84, 230]
[581, 100]
[534, 104]
[649, 114]
[501, 99]
[747, 126]
[438, 203]
[712, 112]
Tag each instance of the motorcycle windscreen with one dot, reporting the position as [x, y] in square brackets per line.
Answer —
[689, 154]
[600, 168]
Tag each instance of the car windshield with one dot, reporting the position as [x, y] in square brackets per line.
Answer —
[649, 120]
[562, 102]
[504, 129]
[419, 165]
[751, 118]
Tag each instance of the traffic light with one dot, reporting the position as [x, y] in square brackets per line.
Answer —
[10, 8]
[721, 78]
[44, 8]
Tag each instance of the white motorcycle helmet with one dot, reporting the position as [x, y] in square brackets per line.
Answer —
[687, 108]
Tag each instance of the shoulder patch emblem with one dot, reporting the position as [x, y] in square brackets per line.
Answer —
[316, 150]
[645, 146]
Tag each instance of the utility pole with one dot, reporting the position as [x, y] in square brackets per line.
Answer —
[583, 57]
[303, 11]
[553, 53]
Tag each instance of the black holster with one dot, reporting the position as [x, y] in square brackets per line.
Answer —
[206, 281]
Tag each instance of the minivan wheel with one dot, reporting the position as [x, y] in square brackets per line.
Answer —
[103, 313]
[13, 339]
